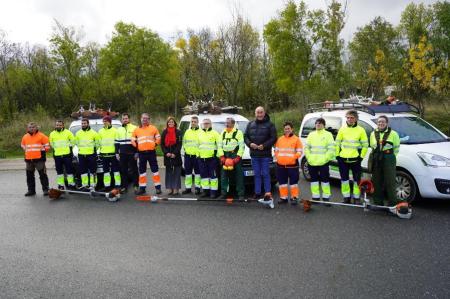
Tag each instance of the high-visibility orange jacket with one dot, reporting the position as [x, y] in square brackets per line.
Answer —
[145, 138]
[288, 150]
[34, 144]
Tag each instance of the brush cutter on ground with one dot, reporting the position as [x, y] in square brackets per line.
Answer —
[402, 210]
[155, 199]
[112, 196]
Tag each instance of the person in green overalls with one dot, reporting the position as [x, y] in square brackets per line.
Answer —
[385, 144]
[232, 147]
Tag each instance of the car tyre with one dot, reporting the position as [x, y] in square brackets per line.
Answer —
[305, 170]
[406, 187]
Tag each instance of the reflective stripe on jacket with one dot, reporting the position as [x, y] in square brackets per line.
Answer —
[87, 141]
[190, 141]
[107, 139]
[34, 144]
[392, 142]
[351, 142]
[229, 144]
[209, 143]
[123, 139]
[320, 147]
[61, 142]
[146, 138]
[288, 150]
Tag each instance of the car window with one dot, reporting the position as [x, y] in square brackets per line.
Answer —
[366, 127]
[308, 127]
[333, 124]
[414, 130]
[95, 127]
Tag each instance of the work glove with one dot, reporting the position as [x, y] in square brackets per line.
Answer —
[118, 157]
[222, 160]
[236, 160]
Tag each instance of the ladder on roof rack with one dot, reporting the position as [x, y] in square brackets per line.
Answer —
[371, 109]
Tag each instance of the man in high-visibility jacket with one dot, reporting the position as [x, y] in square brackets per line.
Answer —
[145, 138]
[232, 141]
[107, 136]
[288, 149]
[190, 146]
[126, 153]
[351, 148]
[62, 141]
[209, 144]
[35, 145]
[87, 141]
[319, 151]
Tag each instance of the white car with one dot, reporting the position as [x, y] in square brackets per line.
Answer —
[218, 124]
[423, 163]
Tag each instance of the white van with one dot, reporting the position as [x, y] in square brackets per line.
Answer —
[423, 163]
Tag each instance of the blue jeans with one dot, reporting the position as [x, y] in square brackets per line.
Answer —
[262, 173]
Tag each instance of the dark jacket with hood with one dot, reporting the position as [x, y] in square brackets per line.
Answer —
[261, 132]
[173, 149]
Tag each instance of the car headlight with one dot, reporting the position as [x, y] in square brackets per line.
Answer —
[434, 160]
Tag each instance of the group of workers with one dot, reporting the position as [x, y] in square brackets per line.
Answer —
[128, 149]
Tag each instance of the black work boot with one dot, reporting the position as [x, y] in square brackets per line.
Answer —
[205, 194]
[187, 191]
[346, 200]
[30, 193]
[197, 191]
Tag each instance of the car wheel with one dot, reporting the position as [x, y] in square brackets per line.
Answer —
[305, 170]
[406, 187]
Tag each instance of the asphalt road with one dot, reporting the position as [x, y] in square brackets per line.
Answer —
[84, 248]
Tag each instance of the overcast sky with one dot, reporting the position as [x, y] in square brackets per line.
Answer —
[32, 20]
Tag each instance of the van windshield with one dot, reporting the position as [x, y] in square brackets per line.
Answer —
[414, 130]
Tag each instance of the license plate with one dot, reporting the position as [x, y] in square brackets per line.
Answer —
[249, 173]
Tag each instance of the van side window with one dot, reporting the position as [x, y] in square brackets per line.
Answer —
[333, 124]
[366, 127]
[308, 127]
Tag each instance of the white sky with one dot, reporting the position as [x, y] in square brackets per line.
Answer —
[32, 20]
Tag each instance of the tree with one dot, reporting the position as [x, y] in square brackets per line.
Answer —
[141, 67]
[419, 72]
[415, 23]
[68, 56]
[377, 75]
[369, 41]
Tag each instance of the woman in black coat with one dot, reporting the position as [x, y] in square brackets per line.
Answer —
[171, 146]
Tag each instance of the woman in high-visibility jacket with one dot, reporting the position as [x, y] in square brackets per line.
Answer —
[319, 151]
[385, 144]
[351, 148]
[288, 149]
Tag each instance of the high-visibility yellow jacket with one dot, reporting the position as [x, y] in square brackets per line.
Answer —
[190, 141]
[123, 139]
[209, 143]
[107, 139]
[61, 142]
[392, 142]
[232, 141]
[86, 141]
[319, 148]
[351, 142]
[288, 150]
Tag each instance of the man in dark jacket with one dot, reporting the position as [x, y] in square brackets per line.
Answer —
[260, 136]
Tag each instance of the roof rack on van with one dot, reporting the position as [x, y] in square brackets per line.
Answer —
[209, 106]
[371, 109]
[94, 113]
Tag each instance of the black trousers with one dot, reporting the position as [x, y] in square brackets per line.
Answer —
[31, 166]
[127, 162]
